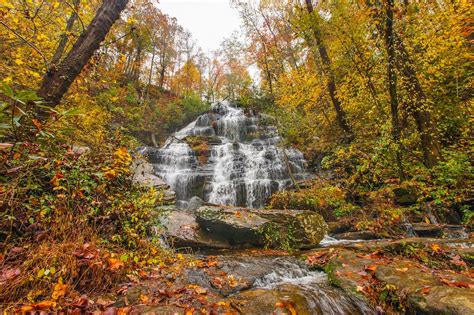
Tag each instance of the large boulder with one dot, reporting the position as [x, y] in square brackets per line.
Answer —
[181, 230]
[195, 203]
[259, 227]
[143, 174]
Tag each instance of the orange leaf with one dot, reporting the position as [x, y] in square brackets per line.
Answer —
[59, 290]
[115, 264]
[425, 290]
[371, 267]
[45, 305]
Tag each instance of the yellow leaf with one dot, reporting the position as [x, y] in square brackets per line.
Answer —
[436, 248]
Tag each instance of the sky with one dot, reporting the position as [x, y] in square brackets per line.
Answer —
[209, 21]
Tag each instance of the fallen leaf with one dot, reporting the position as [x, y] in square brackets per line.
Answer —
[436, 248]
[402, 269]
[9, 274]
[59, 290]
[425, 290]
[371, 267]
[458, 284]
[104, 302]
[200, 290]
[458, 261]
[44, 305]
[4, 146]
[190, 311]
[115, 264]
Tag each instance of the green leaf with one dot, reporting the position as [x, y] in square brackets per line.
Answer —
[72, 112]
[27, 95]
[6, 90]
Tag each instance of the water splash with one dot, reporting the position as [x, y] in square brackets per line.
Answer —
[322, 298]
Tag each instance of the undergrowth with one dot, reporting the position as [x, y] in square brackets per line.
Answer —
[71, 220]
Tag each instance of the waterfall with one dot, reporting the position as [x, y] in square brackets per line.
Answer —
[246, 162]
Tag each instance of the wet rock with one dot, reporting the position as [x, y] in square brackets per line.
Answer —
[195, 203]
[169, 196]
[268, 302]
[424, 290]
[235, 273]
[445, 300]
[274, 228]
[403, 273]
[427, 230]
[181, 230]
[454, 231]
[339, 227]
[143, 174]
[157, 310]
[360, 235]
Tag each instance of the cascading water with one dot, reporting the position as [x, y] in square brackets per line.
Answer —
[245, 166]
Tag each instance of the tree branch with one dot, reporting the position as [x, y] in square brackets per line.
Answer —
[27, 42]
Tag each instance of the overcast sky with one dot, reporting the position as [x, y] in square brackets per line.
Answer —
[210, 21]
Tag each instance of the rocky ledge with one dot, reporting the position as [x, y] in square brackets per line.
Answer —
[143, 174]
[414, 276]
[229, 227]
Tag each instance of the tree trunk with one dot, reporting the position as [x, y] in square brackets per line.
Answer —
[416, 102]
[58, 80]
[326, 61]
[417, 105]
[63, 39]
[392, 82]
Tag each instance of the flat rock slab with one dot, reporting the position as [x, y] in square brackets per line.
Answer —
[260, 301]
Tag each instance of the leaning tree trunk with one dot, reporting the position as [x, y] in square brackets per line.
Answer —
[340, 113]
[392, 83]
[58, 80]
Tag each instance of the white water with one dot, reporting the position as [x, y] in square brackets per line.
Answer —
[246, 163]
[289, 274]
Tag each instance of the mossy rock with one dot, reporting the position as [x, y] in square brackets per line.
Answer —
[257, 227]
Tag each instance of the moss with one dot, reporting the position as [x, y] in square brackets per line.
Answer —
[200, 146]
[329, 269]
